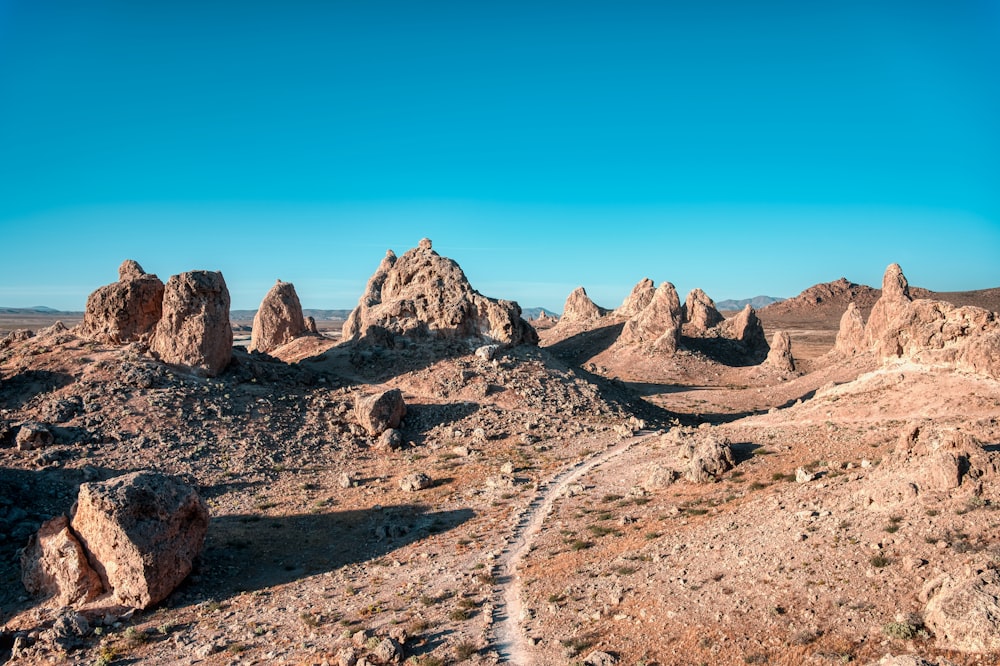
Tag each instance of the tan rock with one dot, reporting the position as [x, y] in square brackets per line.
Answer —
[55, 565]
[746, 328]
[851, 335]
[579, 308]
[881, 331]
[310, 325]
[195, 330]
[780, 354]
[124, 311]
[381, 411]
[422, 294]
[700, 313]
[658, 325]
[706, 457]
[142, 532]
[278, 320]
[641, 295]
[963, 610]
[31, 436]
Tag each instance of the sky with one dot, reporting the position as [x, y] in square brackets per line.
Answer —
[743, 148]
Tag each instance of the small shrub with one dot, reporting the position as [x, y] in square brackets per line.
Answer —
[579, 544]
[465, 650]
[459, 615]
[880, 561]
[901, 630]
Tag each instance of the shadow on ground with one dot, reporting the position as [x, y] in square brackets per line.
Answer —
[249, 552]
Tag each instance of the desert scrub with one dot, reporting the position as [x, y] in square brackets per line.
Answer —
[465, 650]
[880, 561]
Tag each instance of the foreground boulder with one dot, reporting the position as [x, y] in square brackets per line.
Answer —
[55, 565]
[380, 412]
[133, 538]
[422, 294]
[278, 320]
[195, 331]
[706, 457]
[963, 610]
[124, 311]
[142, 532]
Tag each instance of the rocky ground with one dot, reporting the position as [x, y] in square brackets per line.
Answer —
[858, 490]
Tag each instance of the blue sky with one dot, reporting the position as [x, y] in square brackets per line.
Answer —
[744, 148]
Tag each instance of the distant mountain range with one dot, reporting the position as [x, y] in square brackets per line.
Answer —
[757, 302]
[37, 309]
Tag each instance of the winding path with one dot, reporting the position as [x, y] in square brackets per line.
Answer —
[508, 638]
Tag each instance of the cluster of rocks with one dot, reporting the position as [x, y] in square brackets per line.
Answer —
[130, 542]
[422, 294]
[184, 322]
[653, 318]
[924, 330]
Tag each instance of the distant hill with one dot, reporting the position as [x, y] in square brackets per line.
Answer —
[757, 302]
[533, 313]
[38, 309]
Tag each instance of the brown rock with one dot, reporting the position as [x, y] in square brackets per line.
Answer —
[700, 313]
[706, 457]
[780, 355]
[278, 320]
[33, 436]
[658, 325]
[851, 335]
[380, 412]
[416, 481]
[745, 327]
[142, 532]
[422, 294]
[963, 611]
[641, 295]
[195, 330]
[579, 307]
[124, 311]
[55, 565]
[310, 324]
[881, 331]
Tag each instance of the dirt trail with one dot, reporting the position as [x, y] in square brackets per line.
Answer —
[509, 641]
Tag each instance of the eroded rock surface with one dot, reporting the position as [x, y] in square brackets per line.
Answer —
[278, 320]
[780, 354]
[424, 294]
[658, 325]
[700, 313]
[851, 335]
[55, 565]
[579, 307]
[124, 311]
[195, 331]
[637, 300]
[381, 411]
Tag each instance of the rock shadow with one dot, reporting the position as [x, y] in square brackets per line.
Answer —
[18, 390]
[731, 353]
[249, 552]
[579, 348]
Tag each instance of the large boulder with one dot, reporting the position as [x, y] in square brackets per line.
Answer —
[579, 308]
[700, 313]
[640, 296]
[780, 354]
[278, 320]
[851, 335]
[705, 457]
[746, 328]
[658, 325]
[195, 331]
[422, 294]
[381, 411]
[963, 610]
[124, 311]
[142, 532]
[55, 565]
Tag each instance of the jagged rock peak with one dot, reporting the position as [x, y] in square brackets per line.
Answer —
[699, 311]
[422, 294]
[278, 320]
[745, 327]
[780, 354]
[894, 284]
[124, 311]
[658, 325]
[851, 335]
[639, 298]
[579, 307]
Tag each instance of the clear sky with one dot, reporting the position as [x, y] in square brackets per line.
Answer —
[742, 147]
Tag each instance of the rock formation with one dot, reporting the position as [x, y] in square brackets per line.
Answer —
[124, 311]
[641, 295]
[963, 610]
[54, 565]
[880, 333]
[381, 411]
[423, 294]
[194, 330]
[579, 308]
[133, 537]
[706, 457]
[780, 354]
[278, 320]
[851, 335]
[745, 327]
[699, 312]
[658, 325]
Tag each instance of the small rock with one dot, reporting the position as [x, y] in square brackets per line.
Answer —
[802, 476]
[33, 436]
[415, 482]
